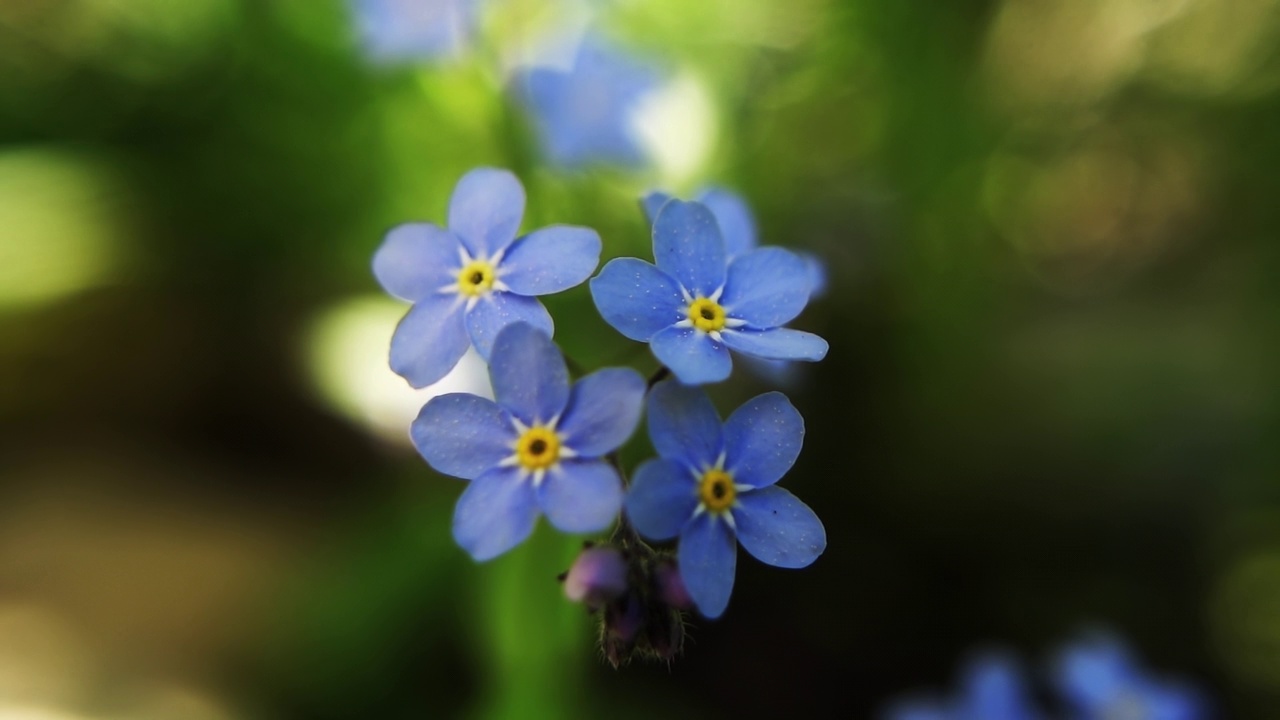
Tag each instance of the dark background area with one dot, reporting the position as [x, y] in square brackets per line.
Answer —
[1051, 403]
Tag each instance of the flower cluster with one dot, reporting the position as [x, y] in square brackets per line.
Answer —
[548, 446]
[1095, 678]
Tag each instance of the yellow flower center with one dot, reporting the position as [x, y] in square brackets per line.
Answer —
[475, 278]
[717, 490]
[706, 315]
[538, 448]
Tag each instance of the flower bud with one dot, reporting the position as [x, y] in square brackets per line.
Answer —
[620, 630]
[598, 576]
[671, 587]
[637, 596]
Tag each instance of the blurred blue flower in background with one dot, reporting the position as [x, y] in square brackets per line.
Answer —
[587, 114]
[714, 482]
[538, 448]
[472, 279]
[1101, 681]
[992, 688]
[407, 30]
[696, 303]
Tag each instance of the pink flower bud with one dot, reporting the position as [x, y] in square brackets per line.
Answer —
[597, 576]
[671, 587]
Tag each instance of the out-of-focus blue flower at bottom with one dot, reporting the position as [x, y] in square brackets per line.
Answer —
[405, 30]
[1100, 680]
[991, 688]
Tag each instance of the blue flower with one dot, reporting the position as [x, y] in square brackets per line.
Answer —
[738, 226]
[539, 448]
[474, 278]
[1099, 681]
[713, 482]
[400, 30]
[992, 688]
[696, 303]
[587, 114]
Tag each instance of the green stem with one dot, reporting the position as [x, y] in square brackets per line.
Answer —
[575, 368]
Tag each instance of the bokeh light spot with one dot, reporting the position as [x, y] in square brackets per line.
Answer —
[347, 352]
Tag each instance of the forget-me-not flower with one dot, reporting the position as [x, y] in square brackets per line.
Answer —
[697, 303]
[406, 30]
[472, 279]
[587, 113]
[713, 483]
[1100, 681]
[538, 449]
[738, 227]
[992, 688]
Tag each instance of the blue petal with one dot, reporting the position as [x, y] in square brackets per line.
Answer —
[1094, 671]
[692, 355]
[652, 203]
[636, 298]
[662, 498]
[485, 210]
[581, 496]
[416, 260]
[777, 529]
[584, 115]
[528, 373]
[762, 440]
[817, 275]
[603, 410]
[1173, 701]
[550, 260]
[544, 91]
[776, 344]
[497, 310]
[462, 435]
[429, 341]
[684, 426]
[766, 287]
[737, 224]
[707, 558]
[496, 512]
[994, 689]
[687, 246]
[393, 32]
[548, 93]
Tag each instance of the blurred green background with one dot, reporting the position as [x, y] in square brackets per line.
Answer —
[1052, 399]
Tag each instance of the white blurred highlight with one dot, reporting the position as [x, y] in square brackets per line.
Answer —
[676, 125]
[16, 712]
[42, 661]
[348, 354]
